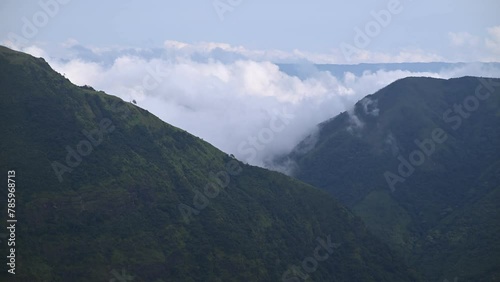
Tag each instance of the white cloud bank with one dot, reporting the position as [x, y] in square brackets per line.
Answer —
[245, 107]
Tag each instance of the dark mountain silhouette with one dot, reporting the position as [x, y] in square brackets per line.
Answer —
[105, 191]
[419, 162]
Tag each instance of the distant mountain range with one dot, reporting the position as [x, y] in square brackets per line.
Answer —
[338, 70]
[105, 191]
[419, 162]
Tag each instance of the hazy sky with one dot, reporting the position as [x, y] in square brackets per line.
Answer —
[450, 30]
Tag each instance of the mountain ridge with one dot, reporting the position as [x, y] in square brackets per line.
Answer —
[106, 190]
[410, 158]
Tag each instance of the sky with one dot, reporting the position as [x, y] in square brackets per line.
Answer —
[442, 30]
[211, 66]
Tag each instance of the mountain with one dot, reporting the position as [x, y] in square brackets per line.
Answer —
[304, 71]
[419, 162]
[105, 191]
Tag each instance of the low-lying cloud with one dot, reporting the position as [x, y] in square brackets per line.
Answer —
[245, 107]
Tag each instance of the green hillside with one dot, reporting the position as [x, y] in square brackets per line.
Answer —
[419, 162]
[105, 191]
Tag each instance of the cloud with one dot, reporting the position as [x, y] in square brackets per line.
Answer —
[370, 106]
[222, 51]
[493, 41]
[459, 39]
[35, 51]
[249, 108]
[355, 124]
[403, 56]
[226, 53]
[470, 47]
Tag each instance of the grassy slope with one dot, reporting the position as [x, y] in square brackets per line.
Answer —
[119, 208]
[450, 193]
